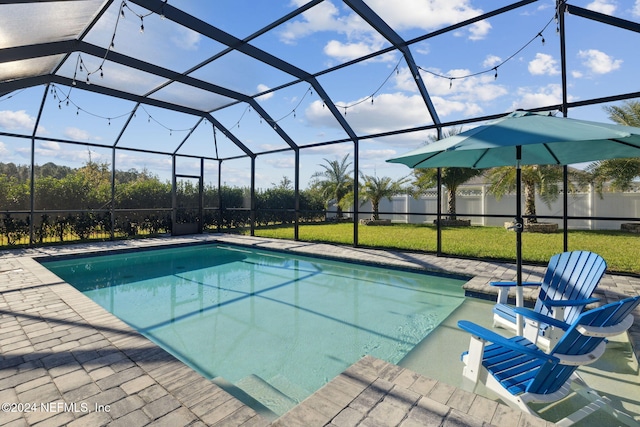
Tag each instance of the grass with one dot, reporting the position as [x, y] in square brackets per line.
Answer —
[620, 249]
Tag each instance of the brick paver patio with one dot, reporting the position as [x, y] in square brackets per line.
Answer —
[66, 361]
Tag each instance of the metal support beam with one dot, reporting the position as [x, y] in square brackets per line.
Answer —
[296, 189]
[381, 26]
[561, 8]
[201, 198]
[230, 135]
[601, 17]
[32, 172]
[252, 201]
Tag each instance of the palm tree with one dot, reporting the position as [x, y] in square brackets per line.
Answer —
[375, 189]
[542, 179]
[620, 172]
[452, 178]
[334, 182]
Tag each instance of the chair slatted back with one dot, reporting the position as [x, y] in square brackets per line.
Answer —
[552, 376]
[570, 276]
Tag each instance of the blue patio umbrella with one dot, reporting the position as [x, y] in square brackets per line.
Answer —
[527, 138]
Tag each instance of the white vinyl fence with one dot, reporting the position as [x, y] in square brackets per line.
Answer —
[476, 200]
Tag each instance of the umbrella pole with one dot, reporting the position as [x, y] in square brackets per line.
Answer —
[518, 229]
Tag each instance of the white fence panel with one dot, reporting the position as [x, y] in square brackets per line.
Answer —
[475, 200]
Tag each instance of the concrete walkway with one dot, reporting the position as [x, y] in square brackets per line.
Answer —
[66, 361]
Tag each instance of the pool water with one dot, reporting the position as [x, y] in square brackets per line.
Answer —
[275, 325]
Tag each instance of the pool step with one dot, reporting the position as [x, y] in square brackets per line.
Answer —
[266, 394]
[292, 390]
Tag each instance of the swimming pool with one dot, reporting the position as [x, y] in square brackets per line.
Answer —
[278, 326]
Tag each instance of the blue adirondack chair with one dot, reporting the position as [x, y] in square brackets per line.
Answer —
[521, 373]
[565, 290]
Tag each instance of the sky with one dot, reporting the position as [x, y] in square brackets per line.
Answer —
[494, 66]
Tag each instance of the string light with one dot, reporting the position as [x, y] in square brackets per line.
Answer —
[494, 68]
[375, 92]
[59, 95]
[82, 67]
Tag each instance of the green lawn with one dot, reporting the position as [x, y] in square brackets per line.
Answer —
[619, 249]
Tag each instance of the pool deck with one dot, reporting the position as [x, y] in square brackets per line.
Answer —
[66, 361]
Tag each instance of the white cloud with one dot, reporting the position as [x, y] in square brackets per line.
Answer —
[347, 51]
[491, 61]
[533, 98]
[479, 30]
[17, 120]
[408, 14]
[544, 64]
[4, 151]
[362, 39]
[377, 154]
[76, 134]
[388, 112]
[323, 17]
[128, 160]
[607, 7]
[261, 88]
[577, 74]
[599, 62]
[482, 88]
[424, 48]
[186, 39]
[334, 150]
[636, 8]
[281, 162]
[54, 150]
[49, 145]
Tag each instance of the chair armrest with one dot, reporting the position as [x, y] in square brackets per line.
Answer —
[541, 318]
[509, 284]
[569, 302]
[490, 336]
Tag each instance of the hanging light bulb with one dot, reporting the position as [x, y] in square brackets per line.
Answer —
[450, 83]
[495, 77]
[88, 82]
[109, 122]
[101, 73]
[542, 37]
[141, 25]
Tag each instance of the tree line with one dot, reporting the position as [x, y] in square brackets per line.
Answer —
[75, 203]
